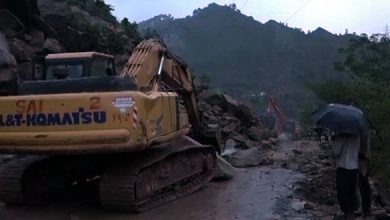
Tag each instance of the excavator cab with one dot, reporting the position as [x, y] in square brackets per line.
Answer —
[76, 72]
[78, 65]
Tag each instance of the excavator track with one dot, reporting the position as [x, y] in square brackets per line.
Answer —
[35, 180]
[132, 182]
[11, 179]
[160, 177]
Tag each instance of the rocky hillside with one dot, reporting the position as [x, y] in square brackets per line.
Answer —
[245, 57]
[30, 29]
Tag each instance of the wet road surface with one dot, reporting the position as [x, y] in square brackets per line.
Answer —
[252, 194]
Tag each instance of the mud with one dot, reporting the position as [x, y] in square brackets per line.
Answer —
[253, 194]
[269, 192]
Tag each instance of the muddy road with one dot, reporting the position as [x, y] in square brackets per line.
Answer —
[264, 192]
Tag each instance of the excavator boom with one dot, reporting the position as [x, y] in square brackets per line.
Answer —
[153, 67]
[281, 118]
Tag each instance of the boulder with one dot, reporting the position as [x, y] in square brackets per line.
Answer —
[57, 13]
[273, 141]
[45, 27]
[231, 104]
[216, 99]
[8, 77]
[223, 123]
[230, 118]
[230, 128]
[245, 158]
[251, 144]
[54, 7]
[80, 15]
[228, 104]
[204, 106]
[210, 117]
[255, 133]
[205, 94]
[267, 134]
[6, 58]
[10, 25]
[298, 205]
[212, 127]
[266, 144]
[21, 50]
[224, 171]
[74, 40]
[246, 115]
[230, 147]
[238, 137]
[53, 46]
[242, 141]
[216, 109]
[283, 138]
[23, 9]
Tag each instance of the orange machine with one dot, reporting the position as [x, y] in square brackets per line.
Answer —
[282, 125]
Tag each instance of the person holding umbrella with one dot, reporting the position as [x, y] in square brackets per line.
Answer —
[346, 148]
[350, 123]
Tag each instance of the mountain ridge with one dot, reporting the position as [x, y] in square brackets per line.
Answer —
[244, 57]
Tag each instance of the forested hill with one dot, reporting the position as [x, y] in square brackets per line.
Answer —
[245, 57]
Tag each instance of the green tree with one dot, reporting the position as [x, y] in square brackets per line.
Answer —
[367, 59]
[151, 34]
[131, 30]
[102, 8]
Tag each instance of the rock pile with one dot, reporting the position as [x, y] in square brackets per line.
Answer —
[240, 133]
[7, 67]
[83, 26]
[319, 185]
[30, 29]
[27, 36]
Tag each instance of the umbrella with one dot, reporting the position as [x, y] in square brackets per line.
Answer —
[342, 118]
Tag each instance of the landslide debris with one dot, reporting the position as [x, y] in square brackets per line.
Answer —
[7, 67]
[31, 29]
[317, 190]
[242, 138]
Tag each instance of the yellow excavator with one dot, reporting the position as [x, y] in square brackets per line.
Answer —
[127, 133]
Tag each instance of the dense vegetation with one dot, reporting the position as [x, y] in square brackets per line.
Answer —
[96, 8]
[367, 61]
[113, 40]
[245, 57]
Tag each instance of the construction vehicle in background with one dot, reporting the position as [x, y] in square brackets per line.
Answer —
[282, 125]
[126, 133]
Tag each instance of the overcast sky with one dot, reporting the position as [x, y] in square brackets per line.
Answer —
[360, 16]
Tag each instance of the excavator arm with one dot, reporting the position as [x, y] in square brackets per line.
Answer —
[281, 118]
[154, 68]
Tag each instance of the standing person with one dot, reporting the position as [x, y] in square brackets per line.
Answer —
[346, 149]
[364, 162]
[318, 131]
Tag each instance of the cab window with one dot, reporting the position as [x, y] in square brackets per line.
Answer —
[101, 67]
[64, 71]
